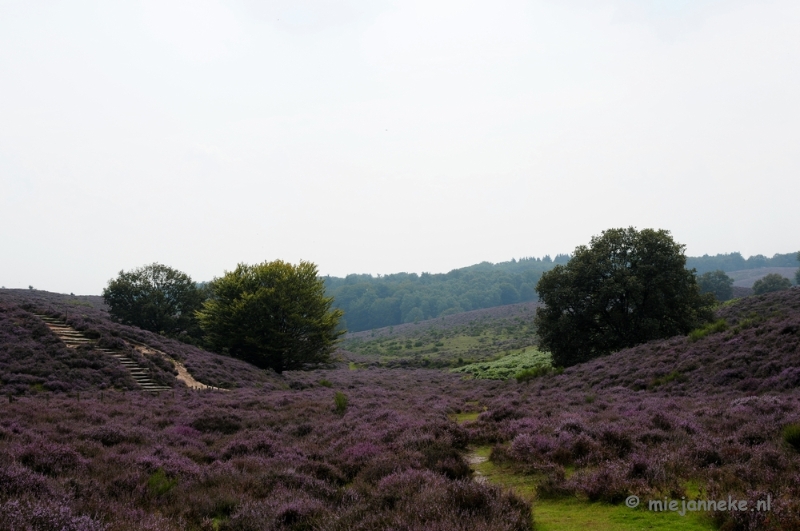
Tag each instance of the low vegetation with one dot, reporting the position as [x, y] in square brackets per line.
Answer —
[449, 341]
[697, 418]
[515, 364]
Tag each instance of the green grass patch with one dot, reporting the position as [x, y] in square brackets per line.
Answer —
[465, 416]
[711, 328]
[159, 484]
[574, 514]
[529, 359]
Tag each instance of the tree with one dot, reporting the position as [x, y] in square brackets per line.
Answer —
[274, 315]
[770, 283]
[717, 283]
[626, 288]
[797, 275]
[156, 298]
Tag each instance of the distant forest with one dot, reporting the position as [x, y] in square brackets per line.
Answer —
[374, 302]
[736, 262]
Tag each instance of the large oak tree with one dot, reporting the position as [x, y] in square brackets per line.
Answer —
[627, 287]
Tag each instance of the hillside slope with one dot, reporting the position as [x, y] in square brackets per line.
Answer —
[33, 359]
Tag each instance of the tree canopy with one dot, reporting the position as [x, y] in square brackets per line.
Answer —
[274, 315]
[627, 287]
[770, 283]
[717, 283]
[156, 298]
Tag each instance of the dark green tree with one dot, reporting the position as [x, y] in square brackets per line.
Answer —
[770, 283]
[626, 288]
[717, 283]
[156, 298]
[274, 315]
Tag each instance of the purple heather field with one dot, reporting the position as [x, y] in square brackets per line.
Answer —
[712, 415]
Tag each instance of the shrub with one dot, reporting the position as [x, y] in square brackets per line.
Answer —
[791, 434]
[770, 283]
[717, 326]
[340, 402]
[159, 484]
[217, 422]
[325, 383]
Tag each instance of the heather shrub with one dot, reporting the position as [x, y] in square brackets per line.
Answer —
[217, 421]
[110, 435]
[616, 442]
[44, 515]
[17, 481]
[50, 458]
[609, 483]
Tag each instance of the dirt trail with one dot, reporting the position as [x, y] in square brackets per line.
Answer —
[183, 375]
[474, 459]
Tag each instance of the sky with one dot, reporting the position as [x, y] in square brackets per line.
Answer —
[379, 137]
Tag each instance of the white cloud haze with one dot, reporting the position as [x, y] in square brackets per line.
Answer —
[388, 136]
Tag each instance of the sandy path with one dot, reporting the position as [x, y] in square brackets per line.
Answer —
[183, 374]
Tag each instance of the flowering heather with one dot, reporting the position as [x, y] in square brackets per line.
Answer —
[251, 459]
[706, 418]
[89, 315]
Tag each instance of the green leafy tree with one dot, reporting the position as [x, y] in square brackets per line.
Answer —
[274, 315]
[717, 283]
[156, 298]
[626, 288]
[770, 283]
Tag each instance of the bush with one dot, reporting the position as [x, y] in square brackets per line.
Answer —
[340, 402]
[791, 434]
[159, 484]
[536, 372]
[711, 328]
[770, 283]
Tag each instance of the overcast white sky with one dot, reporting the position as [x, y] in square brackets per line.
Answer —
[377, 137]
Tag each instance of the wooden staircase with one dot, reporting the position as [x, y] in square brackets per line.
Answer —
[74, 339]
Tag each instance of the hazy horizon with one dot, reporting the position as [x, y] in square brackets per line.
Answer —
[378, 137]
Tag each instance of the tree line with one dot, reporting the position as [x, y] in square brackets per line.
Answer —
[281, 316]
[374, 302]
[735, 262]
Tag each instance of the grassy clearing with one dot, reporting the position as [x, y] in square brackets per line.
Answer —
[573, 514]
[508, 366]
[447, 346]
